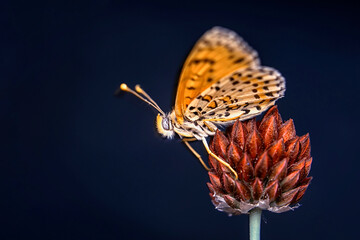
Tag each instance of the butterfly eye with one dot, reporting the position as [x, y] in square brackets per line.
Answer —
[165, 123]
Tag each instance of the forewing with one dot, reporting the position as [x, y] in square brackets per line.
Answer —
[216, 54]
[241, 95]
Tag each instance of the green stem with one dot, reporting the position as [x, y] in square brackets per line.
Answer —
[254, 224]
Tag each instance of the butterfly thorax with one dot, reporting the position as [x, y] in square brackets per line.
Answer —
[168, 125]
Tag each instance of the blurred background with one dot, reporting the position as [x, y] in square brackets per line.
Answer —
[78, 163]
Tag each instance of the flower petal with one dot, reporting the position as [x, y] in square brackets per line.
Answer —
[262, 166]
[305, 146]
[254, 142]
[276, 151]
[238, 133]
[278, 172]
[272, 190]
[273, 111]
[292, 147]
[287, 197]
[228, 183]
[215, 181]
[234, 154]
[246, 168]
[290, 181]
[301, 192]
[257, 189]
[242, 192]
[220, 143]
[268, 130]
[287, 130]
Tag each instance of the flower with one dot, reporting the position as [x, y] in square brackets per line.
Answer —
[272, 164]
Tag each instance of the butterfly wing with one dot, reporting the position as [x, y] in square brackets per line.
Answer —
[217, 53]
[241, 95]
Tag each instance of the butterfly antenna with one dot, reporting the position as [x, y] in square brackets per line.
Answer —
[141, 91]
[151, 102]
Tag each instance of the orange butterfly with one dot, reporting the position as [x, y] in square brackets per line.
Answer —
[221, 81]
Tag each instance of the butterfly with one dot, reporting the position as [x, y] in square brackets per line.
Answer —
[221, 81]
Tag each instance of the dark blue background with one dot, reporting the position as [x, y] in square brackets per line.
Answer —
[78, 163]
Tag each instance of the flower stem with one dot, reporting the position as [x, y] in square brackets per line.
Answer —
[254, 224]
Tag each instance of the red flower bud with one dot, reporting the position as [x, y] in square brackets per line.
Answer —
[271, 161]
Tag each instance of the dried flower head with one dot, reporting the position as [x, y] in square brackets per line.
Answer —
[271, 161]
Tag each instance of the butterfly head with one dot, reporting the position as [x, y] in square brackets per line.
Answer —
[164, 125]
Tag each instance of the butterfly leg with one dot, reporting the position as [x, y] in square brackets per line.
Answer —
[209, 127]
[190, 139]
[219, 159]
[196, 154]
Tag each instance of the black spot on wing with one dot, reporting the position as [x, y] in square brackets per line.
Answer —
[246, 111]
[239, 60]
